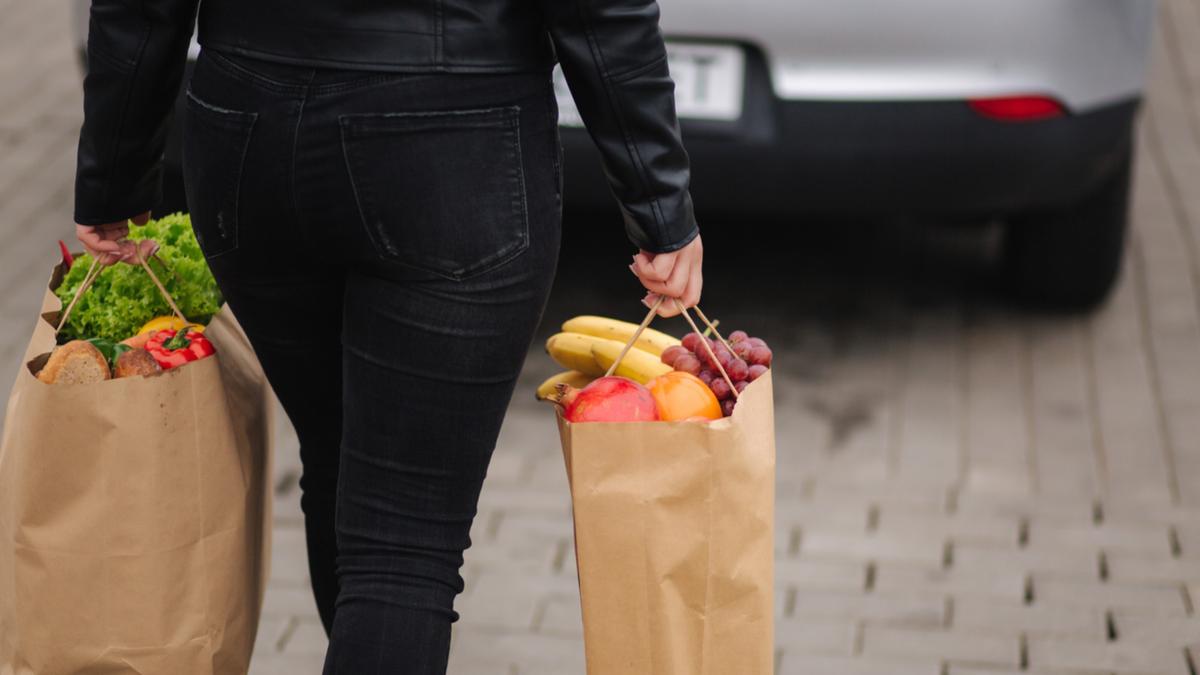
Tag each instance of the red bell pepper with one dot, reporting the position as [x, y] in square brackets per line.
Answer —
[175, 348]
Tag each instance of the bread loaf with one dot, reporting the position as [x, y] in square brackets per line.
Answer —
[77, 362]
[136, 362]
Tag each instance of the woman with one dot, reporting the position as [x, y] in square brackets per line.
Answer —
[377, 188]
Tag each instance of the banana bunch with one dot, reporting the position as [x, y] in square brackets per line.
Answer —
[650, 340]
[589, 345]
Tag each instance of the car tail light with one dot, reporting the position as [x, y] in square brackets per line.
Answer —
[1018, 108]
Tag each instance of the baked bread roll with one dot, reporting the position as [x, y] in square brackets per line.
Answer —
[77, 362]
[136, 362]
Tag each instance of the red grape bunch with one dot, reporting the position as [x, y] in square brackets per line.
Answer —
[748, 359]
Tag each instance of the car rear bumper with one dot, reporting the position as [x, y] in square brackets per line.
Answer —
[934, 158]
[1088, 53]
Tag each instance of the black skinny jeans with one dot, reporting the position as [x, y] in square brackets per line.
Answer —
[388, 242]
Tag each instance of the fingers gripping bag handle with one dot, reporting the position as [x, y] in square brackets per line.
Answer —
[704, 341]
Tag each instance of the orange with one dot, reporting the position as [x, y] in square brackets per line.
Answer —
[681, 395]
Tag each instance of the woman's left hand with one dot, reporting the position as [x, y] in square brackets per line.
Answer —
[678, 274]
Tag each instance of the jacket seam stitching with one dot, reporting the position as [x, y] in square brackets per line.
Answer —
[622, 77]
[630, 147]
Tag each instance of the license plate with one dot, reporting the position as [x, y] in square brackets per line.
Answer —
[709, 83]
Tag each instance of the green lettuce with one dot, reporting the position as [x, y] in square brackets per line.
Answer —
[123, 298]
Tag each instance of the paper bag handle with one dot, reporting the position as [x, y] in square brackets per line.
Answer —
[703, 340]
[95, 270]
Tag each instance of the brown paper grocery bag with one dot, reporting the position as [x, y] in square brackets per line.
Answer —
[674, 541]
[134, 515]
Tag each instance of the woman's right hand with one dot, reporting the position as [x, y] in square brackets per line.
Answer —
[677, 274]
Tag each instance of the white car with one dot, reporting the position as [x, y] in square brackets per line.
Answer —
[971, 110]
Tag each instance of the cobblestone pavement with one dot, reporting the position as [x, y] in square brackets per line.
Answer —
[964, 489]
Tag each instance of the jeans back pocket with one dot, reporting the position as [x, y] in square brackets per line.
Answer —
[215, 141]
[442, 192]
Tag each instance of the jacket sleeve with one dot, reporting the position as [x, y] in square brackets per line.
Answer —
[136, 53]
[615, 62]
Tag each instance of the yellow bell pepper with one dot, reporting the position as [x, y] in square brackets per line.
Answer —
[170, 322]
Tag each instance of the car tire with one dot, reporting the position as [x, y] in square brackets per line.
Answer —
[1069, 260]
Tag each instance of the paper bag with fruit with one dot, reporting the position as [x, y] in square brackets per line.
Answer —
[133, 471]
[670, 455]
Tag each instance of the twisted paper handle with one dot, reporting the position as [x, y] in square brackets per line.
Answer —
[703, 340]
[94, 271]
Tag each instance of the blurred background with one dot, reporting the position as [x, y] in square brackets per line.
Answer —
[969, 231]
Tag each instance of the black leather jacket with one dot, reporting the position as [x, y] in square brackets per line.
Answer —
[611, 51]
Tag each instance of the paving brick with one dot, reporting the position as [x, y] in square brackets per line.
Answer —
[1135, 568]
[921, 548]
[1001, 530]
[899, 608]
[1177, 632]
[1080, 510]
[1068, 563]
[1159, 600]
[957, 580]
[834, 575]
[851, 514]
[881, 641]
[882, 494]
[1168, 514]
[805, 635]
[1116, 657]
[814, 664]
[980, 615]
[1147, 538]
